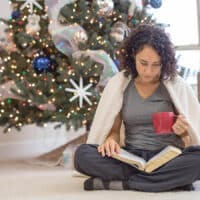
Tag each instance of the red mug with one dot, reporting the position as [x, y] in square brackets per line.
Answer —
[163, 122]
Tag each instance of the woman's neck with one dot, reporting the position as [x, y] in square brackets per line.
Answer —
[139, 81]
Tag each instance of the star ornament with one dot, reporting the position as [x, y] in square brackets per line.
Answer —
[80, 92]
[31, 4]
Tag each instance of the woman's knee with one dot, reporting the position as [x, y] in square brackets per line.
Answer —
[82, 155]
[195, 149]
[192, 154]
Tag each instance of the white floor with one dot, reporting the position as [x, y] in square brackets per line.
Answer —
[21, 181]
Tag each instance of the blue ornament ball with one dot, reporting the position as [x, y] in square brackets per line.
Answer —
[156, 3]
[15, 14]
[43, 64]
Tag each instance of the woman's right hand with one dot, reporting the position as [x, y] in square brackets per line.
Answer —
[109, 147]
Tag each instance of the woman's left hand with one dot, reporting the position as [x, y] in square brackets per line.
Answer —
[180, 127]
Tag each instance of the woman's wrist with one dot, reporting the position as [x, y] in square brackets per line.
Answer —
[114, 137]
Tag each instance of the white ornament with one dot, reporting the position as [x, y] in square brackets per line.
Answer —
[33, 25]
[80, 92]
[31, 4]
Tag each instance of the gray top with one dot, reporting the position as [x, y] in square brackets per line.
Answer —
[137, 117]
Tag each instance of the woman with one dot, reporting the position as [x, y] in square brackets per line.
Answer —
[147, 83]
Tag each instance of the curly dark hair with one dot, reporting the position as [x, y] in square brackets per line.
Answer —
[154, 37]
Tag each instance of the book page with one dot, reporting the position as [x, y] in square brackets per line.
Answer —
[130, 158]
[161, 158]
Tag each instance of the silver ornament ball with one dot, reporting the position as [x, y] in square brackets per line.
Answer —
[119, 31]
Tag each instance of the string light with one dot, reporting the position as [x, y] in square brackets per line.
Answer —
[13, 66]
[84, 122]
[29, 120]
[45, 125]
[40, 92]
[82, 64]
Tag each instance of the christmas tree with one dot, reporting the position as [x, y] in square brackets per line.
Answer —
[53, 69]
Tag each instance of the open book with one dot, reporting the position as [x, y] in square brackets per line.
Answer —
[155, 162]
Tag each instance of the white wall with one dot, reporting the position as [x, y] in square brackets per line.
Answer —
[5, 9]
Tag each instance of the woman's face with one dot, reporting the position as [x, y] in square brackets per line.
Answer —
[148, 65]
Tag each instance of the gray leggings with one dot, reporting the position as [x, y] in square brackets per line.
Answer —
[183, 170]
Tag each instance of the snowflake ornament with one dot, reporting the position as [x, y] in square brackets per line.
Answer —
[31, 4]
[80, 92]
